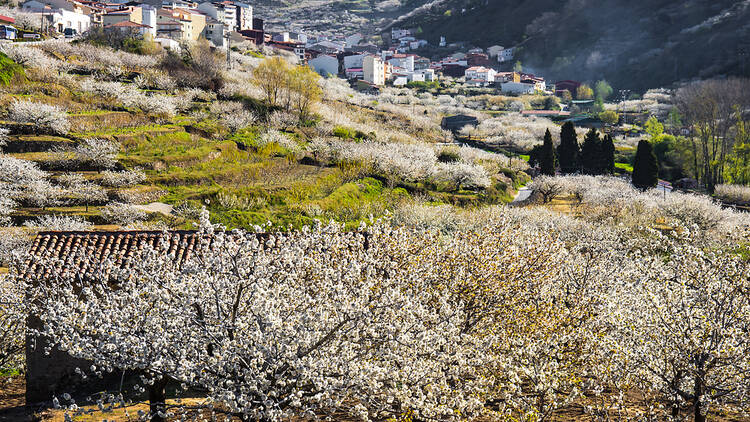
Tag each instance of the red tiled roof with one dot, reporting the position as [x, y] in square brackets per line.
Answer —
[84, 252]
[7, 19]
[93, 255]
[127, 24]
[545, 113]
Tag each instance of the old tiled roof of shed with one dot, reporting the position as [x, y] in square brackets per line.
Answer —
[85, 251]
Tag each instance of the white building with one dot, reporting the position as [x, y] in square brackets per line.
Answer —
[281, 37]
[244, 16]
[226, 13]
[480, 74]
[354, 61]
[374, 70]
[215, 31]
[442, 42]
[58, 19]
[428, 75]
[505, 55]
[148, 14]
[397, 34]
[403, 61]
[325, 65]
[518, 88]
[494, 50]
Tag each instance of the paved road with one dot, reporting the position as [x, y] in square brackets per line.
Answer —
[522, 195]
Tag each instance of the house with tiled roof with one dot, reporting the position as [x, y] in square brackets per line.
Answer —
[132, 14]
[480, 75]
[87, 257]
[129, 27]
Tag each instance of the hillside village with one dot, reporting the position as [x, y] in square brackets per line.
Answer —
[229, 210]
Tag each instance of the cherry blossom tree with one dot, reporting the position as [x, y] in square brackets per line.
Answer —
[46, 117]
[301, 323]
[682, 328]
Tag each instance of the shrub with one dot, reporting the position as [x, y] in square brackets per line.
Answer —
[197, 67]
[733, 193]
[449, 155]
[122, 214]
[120, 179]
[154, 79]
[9, 69]
[462, 175]
[59, 223]
[51, 118]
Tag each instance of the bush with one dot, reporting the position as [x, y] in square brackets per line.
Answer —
[733, 193]
[122, 214]
[59, 223]
[48, 117]
[196, 67]
[449, 155]
[121, 179]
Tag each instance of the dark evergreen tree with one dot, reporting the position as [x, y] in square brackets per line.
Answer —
[591, 153]
[535, 155]
[645, 167]
[608, 155]
[568, 151]
[547, 156]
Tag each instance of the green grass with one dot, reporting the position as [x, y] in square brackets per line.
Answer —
[9, 372]
[9, 70]
[624, 166]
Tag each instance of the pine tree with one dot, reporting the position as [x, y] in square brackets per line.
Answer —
[591, 153]
[608, 155]
[645, 167]
[568, 151]
[547, 156]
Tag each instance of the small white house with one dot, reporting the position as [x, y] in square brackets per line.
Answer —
[494, 50]
[397, 34]
[505, 55]
[480, 74]
[325, 65]
[400, 81]
[60, 19]
[354, 61]
[428, 75]
[403, 61]
[518, 88]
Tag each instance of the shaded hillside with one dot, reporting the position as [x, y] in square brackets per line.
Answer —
[635, 45]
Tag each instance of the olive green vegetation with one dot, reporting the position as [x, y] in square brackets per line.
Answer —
[241, 178]
[9, 69]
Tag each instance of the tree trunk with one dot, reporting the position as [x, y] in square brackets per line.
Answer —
[698, 415]
[157, 398]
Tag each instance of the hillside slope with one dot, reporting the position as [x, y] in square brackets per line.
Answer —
[635, 45]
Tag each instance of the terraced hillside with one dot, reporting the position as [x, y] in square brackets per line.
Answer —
[113, 139]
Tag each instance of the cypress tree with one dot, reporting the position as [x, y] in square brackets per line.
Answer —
[568, 151]
[645, 167]
[547, 156]
[608, 155]
[591, 153]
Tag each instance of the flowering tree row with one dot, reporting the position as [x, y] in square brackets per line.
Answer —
[511, 313]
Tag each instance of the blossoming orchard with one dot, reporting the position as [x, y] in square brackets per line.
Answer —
[510, 313]
[193, 232]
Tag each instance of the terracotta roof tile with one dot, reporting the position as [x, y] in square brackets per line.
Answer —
[95, 254]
